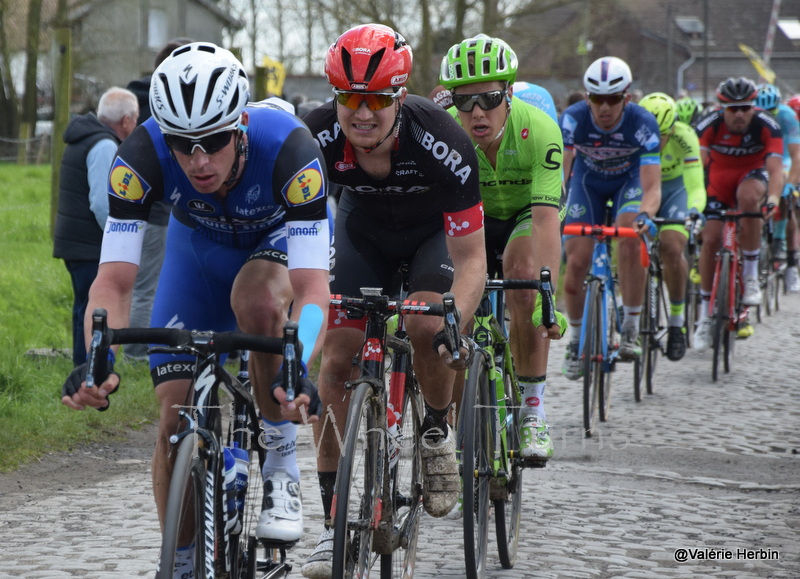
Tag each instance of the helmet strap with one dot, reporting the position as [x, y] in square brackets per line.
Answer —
[394, 130]
[242, 149]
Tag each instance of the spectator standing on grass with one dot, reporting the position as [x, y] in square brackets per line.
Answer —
[83, 199]
[155, 239]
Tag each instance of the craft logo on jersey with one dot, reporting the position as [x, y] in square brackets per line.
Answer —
[305, 186]
[126, 184]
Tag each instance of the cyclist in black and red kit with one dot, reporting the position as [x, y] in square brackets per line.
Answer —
[411, 196]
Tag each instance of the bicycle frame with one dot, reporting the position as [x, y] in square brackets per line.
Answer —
[730, 246]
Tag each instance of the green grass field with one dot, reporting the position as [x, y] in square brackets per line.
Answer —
[35, 312]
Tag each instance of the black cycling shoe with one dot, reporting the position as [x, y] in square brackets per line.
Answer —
[676, 343]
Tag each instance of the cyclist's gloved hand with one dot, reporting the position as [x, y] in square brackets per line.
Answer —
[465, 348]
[305, 388]
[561, 321]
[768, 209]
[788, 190]
[697, 216]
[644, 218]
[77, 397]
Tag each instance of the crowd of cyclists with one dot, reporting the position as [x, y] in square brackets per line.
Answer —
[476, 180]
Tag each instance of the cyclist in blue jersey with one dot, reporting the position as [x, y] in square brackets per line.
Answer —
[611, 152]
[536, 95]
[769, 99]
[248, 236]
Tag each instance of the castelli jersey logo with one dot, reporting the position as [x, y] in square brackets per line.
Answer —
[524, 133]
[344, 166]
[399, 79]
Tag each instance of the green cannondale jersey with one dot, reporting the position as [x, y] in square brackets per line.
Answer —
[680, 157]
[529, 164]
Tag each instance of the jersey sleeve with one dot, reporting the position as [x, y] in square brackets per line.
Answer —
[135, 179]
[693, 177]
[300, 183]
[548, 163]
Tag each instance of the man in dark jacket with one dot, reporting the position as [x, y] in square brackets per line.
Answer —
[83, 196]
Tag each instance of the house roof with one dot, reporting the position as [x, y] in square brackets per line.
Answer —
[80, 8]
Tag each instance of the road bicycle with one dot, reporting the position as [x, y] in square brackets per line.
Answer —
[770, 272]
[219, 412]
[726, 308]
[598, 346]
[377, 502]
[653, 319]
[488, 428]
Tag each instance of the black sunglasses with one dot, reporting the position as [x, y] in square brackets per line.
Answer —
[738, 108]
[609, 99]
[209, 144]
[486, 100]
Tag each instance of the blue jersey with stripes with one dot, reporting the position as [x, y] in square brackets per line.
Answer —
[790, 130]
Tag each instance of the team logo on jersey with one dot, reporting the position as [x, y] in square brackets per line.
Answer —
[576, 211]
[306, 185]
[200, 206]
[126, 184]
[524, 133]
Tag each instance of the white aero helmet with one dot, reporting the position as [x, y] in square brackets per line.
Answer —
[199, 88]
[607, 75]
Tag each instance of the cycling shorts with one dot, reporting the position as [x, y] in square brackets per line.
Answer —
[586, 202]
[499, 232]
[194, 290]
[674, 204]
[728, 199]
[366, 255]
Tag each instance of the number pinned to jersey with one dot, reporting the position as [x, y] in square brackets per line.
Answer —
[306, 186]
[126, 184]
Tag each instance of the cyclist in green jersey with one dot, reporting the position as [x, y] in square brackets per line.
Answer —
[520, 152]
[683, 193]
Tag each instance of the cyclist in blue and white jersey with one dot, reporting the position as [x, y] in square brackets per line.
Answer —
[536, 95]
[769, 99]
[248, 236]
[611, 151]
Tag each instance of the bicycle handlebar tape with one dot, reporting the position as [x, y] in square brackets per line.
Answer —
[546, 291]
[451, 324]
[97, 368]
[291, 359]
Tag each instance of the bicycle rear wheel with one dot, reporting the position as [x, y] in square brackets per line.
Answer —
[184, 517]
[405, 489]
[356, 493]
[592, 357]
[721, 315]
[508, 504]
[476, 466]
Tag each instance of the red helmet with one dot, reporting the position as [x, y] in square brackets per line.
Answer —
[370, 57]
[794, 102]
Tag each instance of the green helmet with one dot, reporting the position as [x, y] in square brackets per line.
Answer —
[687, 109]
[663, 108]
[478, 59]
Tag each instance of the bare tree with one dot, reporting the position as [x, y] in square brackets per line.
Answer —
[28, 125]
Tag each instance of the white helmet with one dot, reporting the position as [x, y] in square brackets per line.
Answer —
[607, 75]
[199, 88]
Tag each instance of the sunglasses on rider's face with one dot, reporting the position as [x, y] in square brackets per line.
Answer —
[486, 100]
[375, 100]
[609, 99]
[209, 144]
[738, 108]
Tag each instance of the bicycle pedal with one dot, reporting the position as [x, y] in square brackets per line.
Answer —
[274, 545]
[533, 463]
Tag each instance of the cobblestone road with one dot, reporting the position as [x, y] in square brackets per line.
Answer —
[699, 468]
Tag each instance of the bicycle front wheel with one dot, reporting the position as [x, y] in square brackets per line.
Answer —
[184, 517]
[356, 493]
[508, 506]
[651, 341]
[476, 466]
[405, 488]
[592, 356]
[721, 323]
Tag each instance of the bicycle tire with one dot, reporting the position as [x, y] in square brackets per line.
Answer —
[721, 314]
[184, 509]
[603, 375]
[508, 508]
[693, 303]
[592, 357]
[406, 482]
[356, 491]
[652, 345]
[476, 465]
